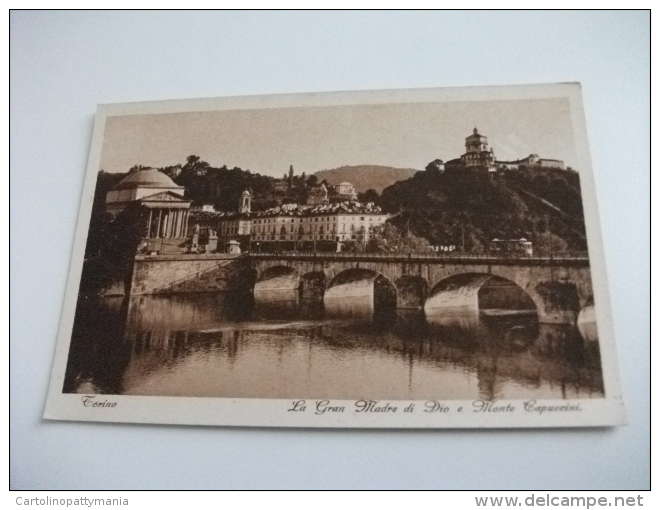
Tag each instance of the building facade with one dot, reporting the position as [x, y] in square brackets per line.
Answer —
[344, 191]
[161, 201]
[478, 155]
[531, 161]
[318, 195]
[293, 227]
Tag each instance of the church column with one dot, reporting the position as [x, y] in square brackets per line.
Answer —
[179, 224]
[175, 224]
[185, 223]
[149, 224]
[168, 223]
[160, 219]
[165, 217]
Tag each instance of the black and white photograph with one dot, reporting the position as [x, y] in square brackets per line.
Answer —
[379, 252]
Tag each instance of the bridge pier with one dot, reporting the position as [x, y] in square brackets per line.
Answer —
[312, 287]
[557, 302]
[411, 292]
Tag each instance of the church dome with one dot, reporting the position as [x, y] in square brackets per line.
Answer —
[146, 178]
[476, 135]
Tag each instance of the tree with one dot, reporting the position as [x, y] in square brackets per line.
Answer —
[548, 244]
[194, 166]
[387, 238]
[435, 167]
[109, 257]
[172, 171]
[371, 195]
[137, 168]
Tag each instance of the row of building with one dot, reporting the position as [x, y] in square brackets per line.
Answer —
[168, 220]
[322, 227]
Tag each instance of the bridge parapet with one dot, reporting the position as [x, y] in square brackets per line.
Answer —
[573, 260]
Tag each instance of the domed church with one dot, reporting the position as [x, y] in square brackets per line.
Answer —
[166, 211]
[477, 153]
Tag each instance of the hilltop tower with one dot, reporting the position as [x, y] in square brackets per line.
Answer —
[477, 153]
[245, 204]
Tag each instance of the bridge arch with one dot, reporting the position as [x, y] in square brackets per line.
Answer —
[471, 293]
[276, 271]
[277, 286]
[551, 284]
[359, 292]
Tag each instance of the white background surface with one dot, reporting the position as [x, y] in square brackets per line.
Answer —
[63, 64]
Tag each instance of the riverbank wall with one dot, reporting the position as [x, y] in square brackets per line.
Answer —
[183, 273]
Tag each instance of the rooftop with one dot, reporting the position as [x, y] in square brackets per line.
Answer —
[146, 178]
[307, 210]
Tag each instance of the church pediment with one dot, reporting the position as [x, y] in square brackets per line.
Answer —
[164, 199]
[164, 196]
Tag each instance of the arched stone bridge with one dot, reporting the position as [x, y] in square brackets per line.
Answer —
[558, 287]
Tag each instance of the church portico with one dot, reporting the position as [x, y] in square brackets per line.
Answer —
[168, 216]
[164, 213]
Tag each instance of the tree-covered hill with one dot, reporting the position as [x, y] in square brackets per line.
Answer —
[467, 210]
[221, 186]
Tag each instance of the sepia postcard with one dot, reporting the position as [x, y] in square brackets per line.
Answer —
[425, 258]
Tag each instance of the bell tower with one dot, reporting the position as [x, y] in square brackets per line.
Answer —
[245, 205]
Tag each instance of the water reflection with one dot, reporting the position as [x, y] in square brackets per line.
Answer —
[226, 346]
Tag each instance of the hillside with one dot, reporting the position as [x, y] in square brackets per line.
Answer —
[365, 177]
[468, 210]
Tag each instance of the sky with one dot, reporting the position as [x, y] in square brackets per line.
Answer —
[406, 135]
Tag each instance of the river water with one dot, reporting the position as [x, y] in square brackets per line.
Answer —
[213, 345]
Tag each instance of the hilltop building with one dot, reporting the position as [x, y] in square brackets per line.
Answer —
[479, 156]
[477, 153]
[531, 161]
[344, 191]
[318, 195]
